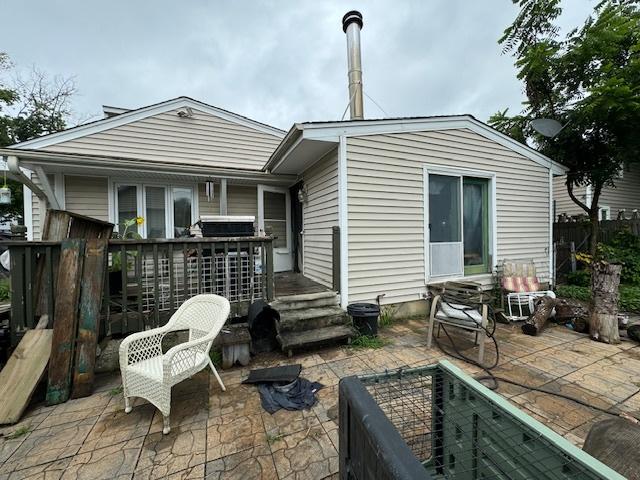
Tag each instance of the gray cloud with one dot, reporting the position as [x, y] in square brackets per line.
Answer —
[275, 61]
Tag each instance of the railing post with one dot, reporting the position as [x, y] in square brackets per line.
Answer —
[270, 282]
[17, 279]
[335, 257]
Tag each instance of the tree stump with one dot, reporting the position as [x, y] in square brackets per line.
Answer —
[538, 319]
[603, 319]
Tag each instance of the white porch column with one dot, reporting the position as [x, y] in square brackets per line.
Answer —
[223, 196]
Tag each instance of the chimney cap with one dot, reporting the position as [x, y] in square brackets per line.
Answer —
[351, 17]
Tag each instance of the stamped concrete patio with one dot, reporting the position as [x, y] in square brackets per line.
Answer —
[218, 435]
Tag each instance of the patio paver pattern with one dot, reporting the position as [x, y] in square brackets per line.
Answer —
[227, 435]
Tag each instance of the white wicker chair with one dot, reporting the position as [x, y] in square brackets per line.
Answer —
[150, 374]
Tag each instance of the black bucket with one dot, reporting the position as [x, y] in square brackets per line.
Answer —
[365, 317]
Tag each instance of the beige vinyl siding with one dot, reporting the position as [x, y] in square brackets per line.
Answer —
[87, 196]
[320, 215]
[386, 207]
[206, 207]
[625, 194]
[38, 210]
[563, 202]
[203, 139]
[242, 200]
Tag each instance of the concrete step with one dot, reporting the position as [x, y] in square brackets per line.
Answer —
[290, 341]
[294, 302]
[312, 318]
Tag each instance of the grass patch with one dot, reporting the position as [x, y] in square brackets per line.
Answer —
[366, 341]
[271, 439]
[216, 357]
[629, 295]
[19, 432]
[387, 316]
[116, 391]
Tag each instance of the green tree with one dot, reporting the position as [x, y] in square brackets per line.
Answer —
[29, 108]
[589, 81]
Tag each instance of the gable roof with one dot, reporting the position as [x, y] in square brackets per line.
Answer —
[141, 113]
[321, 137]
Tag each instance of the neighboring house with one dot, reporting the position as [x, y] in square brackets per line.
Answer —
[624, 196]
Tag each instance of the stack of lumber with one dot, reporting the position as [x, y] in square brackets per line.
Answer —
[70, 347]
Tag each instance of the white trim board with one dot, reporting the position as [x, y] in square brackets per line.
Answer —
[333, 130]
[343, 222]
[141, 113]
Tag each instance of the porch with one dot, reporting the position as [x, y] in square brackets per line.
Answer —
[149, 279]
[227, 434]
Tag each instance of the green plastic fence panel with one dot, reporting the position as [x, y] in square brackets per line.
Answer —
[461, 430]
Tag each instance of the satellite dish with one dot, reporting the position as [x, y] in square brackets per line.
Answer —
[546, 126]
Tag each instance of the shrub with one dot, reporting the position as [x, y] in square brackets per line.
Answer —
[580, 278]
[629, 295]
[624, 248]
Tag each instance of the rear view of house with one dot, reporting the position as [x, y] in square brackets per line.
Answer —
[370, 208]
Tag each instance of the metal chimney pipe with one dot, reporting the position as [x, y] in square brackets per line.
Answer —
[351, 25]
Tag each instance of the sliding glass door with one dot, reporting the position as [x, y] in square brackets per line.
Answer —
[476, 225]
[458, 225]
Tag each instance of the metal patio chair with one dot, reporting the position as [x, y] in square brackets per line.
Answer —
[150, 374]
[461, 305]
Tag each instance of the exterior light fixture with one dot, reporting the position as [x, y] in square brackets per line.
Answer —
[302, 195]
[208, 187]
[5, 192]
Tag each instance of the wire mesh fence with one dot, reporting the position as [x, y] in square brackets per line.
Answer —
[458, 429]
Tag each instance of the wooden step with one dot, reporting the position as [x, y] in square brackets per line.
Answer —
[311, 318]
[290, 341]
[295, 303]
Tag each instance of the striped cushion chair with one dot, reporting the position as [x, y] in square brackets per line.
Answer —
[521, 287]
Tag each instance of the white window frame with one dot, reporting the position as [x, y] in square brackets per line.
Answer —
[493, 237]
[141, 202]
[604, 208]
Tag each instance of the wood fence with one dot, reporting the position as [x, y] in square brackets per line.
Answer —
[579, 232]
[148, 279]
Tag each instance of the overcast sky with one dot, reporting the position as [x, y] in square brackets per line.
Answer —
[276, 62]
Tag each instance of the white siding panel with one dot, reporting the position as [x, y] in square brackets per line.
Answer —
[38, 210]
[208, 207]
[385, 207]
[242, 200]
[625, 194]
[203, 139]
[563, 201]
[87, 196]
[320, 215]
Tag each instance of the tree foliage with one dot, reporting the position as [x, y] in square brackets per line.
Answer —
[29, 108]
[589, 81]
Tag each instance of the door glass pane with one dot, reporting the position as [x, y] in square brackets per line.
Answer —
[127, 207]
[444, 208]
[155, 214]
[475, 222]
[275, 217]
[181, 212]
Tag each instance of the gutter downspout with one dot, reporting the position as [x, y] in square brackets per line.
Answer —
[13, 164]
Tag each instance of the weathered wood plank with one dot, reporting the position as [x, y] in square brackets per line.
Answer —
[66, 321]
[92, 283]
[21, 374]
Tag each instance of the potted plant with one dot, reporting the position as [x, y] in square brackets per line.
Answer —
[115, 270]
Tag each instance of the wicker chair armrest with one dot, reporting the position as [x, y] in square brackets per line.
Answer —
[142, 345]
[184, 352]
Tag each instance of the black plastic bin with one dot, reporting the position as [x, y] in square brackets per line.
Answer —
[365, 317]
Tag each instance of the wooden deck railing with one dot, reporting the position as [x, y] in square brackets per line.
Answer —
[155, 277]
